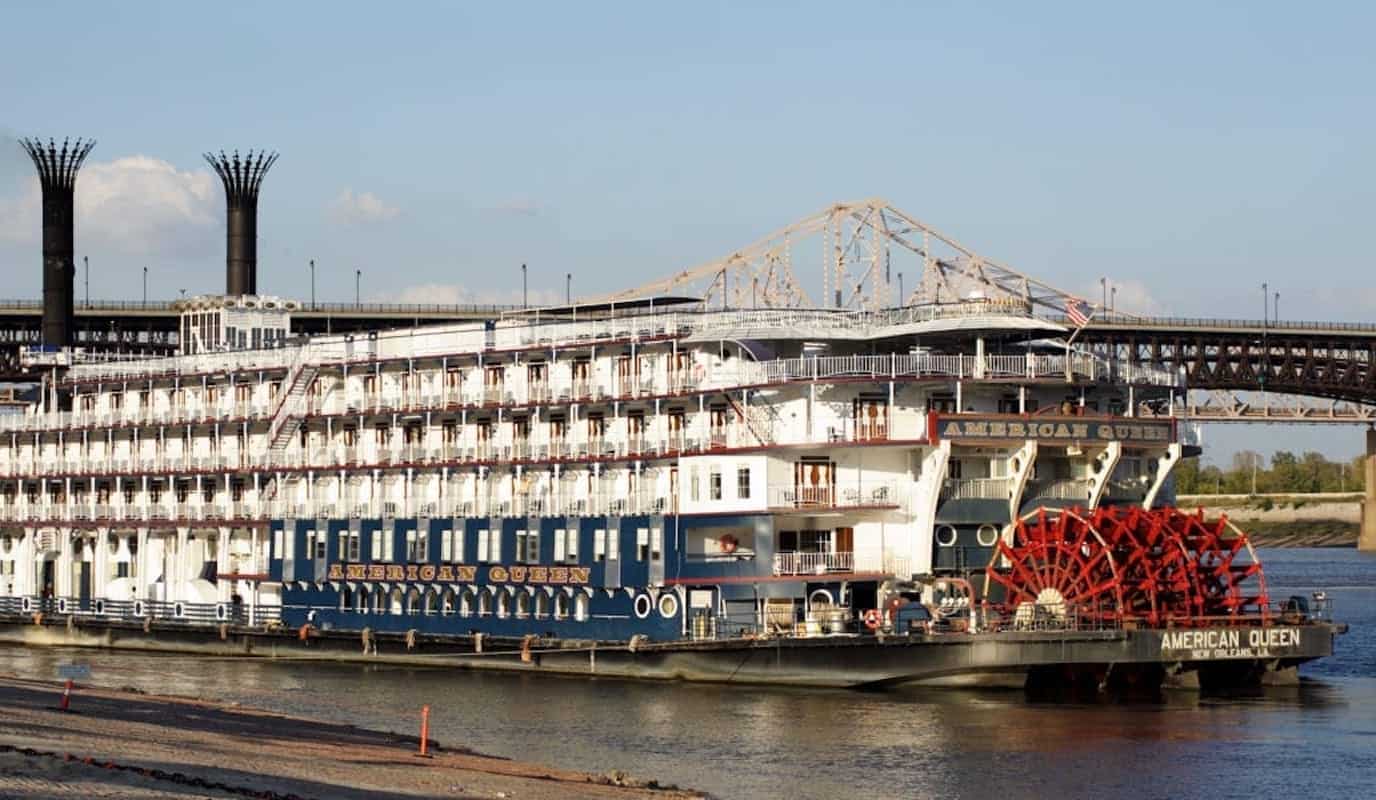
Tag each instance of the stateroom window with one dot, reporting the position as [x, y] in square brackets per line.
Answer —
[490, 545]
[714, 484]
[656, 544]
[599, 545]
[743, 482]
[451, 545]
[642, 544]
[528, 546]
[355, 546]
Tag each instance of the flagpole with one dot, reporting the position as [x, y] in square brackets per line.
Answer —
[1069, 368]
[1089, 317]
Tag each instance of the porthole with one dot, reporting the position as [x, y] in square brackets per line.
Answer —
[643, 605]
[946, 536]
[987, 535]
[138, 608]
[668, 605]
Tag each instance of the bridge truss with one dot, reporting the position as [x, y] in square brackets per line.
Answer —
[858, 253]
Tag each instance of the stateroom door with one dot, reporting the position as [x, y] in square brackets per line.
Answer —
[719, 422]
[814, 482]
[871, 417]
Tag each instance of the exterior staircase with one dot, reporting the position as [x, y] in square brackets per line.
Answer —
[759, 421]
[290, 411]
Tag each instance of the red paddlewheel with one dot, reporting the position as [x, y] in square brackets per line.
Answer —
[1056, 565]
[1155, 565]
[1160, 566]
[1229, 581]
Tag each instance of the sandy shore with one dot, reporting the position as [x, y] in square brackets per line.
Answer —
[127, 745]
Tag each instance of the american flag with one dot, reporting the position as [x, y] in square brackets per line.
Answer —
[1078, 311]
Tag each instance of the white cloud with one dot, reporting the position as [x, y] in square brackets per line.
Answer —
[1132, 297]
[448, 294]
[517, 206]
[361, 208]
[134, 205]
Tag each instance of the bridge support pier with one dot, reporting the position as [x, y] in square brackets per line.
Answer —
[1366, 540]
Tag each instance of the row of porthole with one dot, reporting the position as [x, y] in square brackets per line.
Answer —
[28, 605]
[987, 535]
[668, 605]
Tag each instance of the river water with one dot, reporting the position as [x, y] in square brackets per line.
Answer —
[1318, 739]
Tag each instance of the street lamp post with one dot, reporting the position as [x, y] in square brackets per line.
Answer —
[568, 289]
[145, 285]
[1265, 354]
[312, 284]
[1275, 308]
[1103, 284]
[1113, 299]
[358, 283]
[524, 294]
[85, 260]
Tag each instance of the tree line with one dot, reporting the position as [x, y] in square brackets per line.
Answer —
[1286, 473]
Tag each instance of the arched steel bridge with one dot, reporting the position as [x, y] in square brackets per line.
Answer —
[860, 253]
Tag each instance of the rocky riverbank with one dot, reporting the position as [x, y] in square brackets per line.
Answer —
[1287, 520]
[127, 744]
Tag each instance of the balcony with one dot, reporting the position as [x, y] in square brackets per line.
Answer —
[1073, 489]
[975, 489]
[864, 495]
[798, 563]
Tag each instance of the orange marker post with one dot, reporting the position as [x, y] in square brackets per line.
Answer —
[424, 729]
[66, 695]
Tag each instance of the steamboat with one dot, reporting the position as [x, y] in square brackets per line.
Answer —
[945, 493]
[706, 478]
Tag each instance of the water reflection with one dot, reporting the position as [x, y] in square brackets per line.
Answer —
[767, 743]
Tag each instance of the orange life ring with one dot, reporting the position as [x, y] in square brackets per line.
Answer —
[873, 619]
[728, 544]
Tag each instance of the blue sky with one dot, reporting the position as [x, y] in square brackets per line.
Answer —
[1188, 151]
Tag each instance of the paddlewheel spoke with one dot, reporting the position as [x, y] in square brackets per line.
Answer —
[1157, 567]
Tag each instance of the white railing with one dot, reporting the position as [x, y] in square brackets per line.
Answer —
[865, 494]
[1058, 489]
[797, 563]
[975, 489]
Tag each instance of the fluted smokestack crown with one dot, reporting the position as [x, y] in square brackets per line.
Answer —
[242, 178]
[57, 169]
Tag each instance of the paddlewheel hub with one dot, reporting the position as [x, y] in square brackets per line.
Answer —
[1158, 567]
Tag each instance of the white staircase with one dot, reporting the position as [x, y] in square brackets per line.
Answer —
[291, 407]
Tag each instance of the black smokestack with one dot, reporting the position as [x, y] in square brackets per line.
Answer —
[57, 169]
[242, 179]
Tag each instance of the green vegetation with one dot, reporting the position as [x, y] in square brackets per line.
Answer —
[1286, 474]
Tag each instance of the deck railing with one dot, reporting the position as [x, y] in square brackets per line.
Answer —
[975, 489]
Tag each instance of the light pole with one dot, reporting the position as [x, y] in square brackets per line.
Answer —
[1275, 308]
[312, 284]
[145, 285]
[358, 282]
[524, 295]
[1265, 355]
[568, 289]
[1103, 284]
[1113, 299]
[85, 260]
